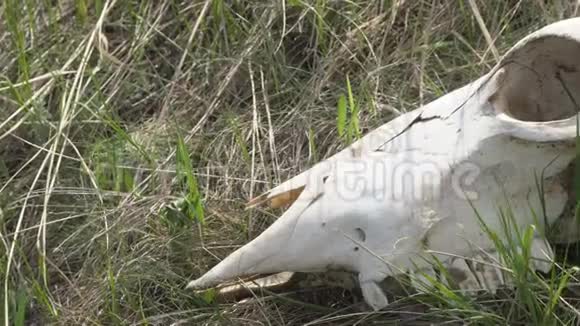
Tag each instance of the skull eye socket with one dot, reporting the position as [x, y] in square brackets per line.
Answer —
[537, 81]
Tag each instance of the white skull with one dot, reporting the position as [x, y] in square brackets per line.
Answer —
[411, 187]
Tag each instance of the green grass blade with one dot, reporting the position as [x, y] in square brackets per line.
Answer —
[185, 170]
[341, 115]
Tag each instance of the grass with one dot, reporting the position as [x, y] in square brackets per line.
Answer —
[133, 132]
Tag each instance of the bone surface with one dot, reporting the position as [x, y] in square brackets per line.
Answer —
[411, 188]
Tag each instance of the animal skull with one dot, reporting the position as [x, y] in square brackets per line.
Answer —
[410, 188]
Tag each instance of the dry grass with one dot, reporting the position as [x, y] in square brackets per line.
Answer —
[102, 218]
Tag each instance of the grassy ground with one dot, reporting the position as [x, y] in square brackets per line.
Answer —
[133, 132]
